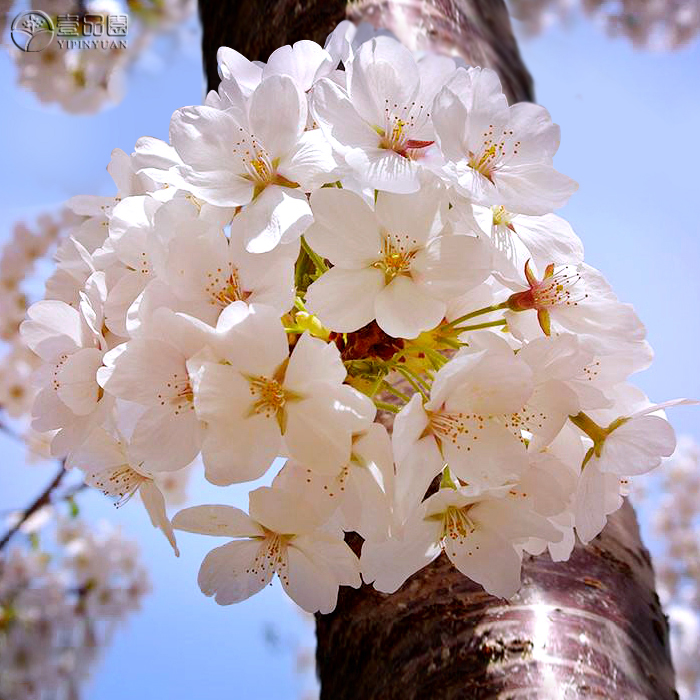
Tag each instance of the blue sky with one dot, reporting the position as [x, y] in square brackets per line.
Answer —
[630, 138]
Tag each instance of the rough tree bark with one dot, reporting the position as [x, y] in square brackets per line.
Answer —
[588, 628]
[477, 30]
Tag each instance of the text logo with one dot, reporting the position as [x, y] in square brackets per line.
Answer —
[32, 31]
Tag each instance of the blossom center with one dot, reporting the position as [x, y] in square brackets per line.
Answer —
[457, 427]
[225, 290]
[259, 166]
[527, 419]
[16, 391]
[256, 160]
[485, 161]
[270, 396]
[399, 122]
[457, 524]
[122, 481]
[557, 290]
[501, 217]
[492, 152]
[261, 169]
[178, 393]
[397, 256]
[395, 134]
[271, 558]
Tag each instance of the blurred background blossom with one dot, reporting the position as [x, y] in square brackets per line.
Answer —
[85, 80]
[60, 601]
[648, 24]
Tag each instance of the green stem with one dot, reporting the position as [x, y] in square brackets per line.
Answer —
[386, 406]
[478, 312]
[375, 386]
[589, 426]
[454, 344]
[477, 326]
[436, 358]
[393, 390]
[413, 379]
[433, 355]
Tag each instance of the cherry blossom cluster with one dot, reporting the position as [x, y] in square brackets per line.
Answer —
[51, 234]
[18, 259]
[348, 257]
[84, 80]
[59, 607]
[673, 496]
[655, 24]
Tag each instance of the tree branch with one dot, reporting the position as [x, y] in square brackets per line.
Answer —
[43, 499]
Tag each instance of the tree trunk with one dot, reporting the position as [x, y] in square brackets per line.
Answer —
[476, 30]
[591, 627]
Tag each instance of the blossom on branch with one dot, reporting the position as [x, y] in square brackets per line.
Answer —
[348, 258]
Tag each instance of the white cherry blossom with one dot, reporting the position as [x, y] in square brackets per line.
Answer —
[255, 156]
[151, 370]
[496, 154]
[362, 491]
[630, 445]
[381, 126]
[471, 423]
[203, 270]
[479, 531]
[282, 536]
[517, 238]
[304, 61]
[348, 258]
[108, 466]
[574, 298]
[392, 262]
[70, 343]
[253, 393]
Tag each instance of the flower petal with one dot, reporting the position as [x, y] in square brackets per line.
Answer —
[219, 521]
[389, 563]
[77, 381]
[282, 511]
[229, 573]
[311, 162]
[637, 446]
[165, 440]
[313, 362]
[343, 299]
[155, 507]
[277, 128]
[312, 587]
[345, 229]
[277, 215]
[233, 454]
[404, 309]
[451, 265]
[487, 558]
